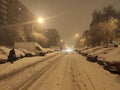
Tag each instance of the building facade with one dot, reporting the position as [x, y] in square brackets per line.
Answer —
[14, 16]
[14, 12]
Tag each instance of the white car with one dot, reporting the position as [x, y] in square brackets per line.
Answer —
[27, 53]
[5, 51]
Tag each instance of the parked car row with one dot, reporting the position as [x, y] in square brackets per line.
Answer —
[33, 47]
[27, 53]
[21, 53]
[103, 57]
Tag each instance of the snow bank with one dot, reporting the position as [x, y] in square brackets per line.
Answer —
[3, 57]
[113, 55]
[5, 52]
[110, 54]
[9, 68]
[109, 58]
[91, 50]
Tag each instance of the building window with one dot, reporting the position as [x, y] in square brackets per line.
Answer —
[19, 9]
[4, 6]
[2, 21]
[4, 1]
[3, 11]
[4, 17]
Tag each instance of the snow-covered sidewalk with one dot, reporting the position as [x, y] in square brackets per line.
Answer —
[100, 78]
[108, 57]
[8, 68]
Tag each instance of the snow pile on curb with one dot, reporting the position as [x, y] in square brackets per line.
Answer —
[109, 58]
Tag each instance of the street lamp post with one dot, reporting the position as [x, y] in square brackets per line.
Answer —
[40, 21]
[77, 35]
[61, 41]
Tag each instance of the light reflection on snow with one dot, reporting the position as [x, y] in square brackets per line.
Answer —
[69, 50]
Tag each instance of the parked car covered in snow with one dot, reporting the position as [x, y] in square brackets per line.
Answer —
[92, 58]
[3, 58]
[19, 54]
[32, 47]
[5, 51]
[48, 50]
[27, 53]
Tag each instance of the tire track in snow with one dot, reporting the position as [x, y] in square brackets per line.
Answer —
[83, 71]
[30, 81]
[6, 81]
[53, 79]
[10, 74]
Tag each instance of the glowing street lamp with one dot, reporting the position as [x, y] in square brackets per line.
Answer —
[61, 41]
[76, 35]
[40, 20]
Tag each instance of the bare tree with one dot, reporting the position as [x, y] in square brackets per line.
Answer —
[53, 37]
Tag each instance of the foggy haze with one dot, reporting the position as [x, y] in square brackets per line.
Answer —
[67, 16]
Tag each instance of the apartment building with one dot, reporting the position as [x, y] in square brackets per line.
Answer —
[14, 12]
[13, 16]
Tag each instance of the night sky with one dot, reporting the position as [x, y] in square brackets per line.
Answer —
[67, 16]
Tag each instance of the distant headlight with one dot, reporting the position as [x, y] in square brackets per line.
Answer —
[69, 50]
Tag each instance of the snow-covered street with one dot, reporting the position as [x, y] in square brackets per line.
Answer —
[57, 71]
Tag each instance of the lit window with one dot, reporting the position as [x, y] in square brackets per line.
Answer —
[20, 9]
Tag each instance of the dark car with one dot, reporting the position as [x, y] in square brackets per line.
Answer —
[42, 53]
[92, 58]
